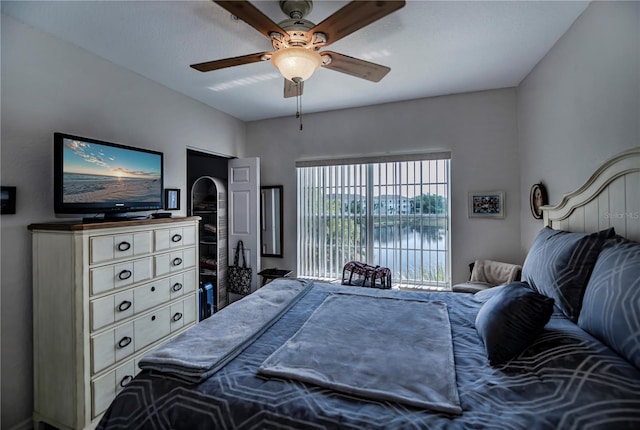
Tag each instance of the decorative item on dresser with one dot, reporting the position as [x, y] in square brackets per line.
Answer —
[171, 199]
[104, 294]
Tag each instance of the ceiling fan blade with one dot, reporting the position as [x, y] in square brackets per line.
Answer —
[252, 16]
[354, 16]
[291, 88]
[229, 62]
[355, 67]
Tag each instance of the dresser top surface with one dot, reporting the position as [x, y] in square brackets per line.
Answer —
[76, 225]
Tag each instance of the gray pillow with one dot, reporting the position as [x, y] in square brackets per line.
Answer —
[559, 264]
[511, 320]
[612, 299]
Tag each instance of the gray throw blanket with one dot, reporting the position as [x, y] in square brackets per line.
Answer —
[494, 272]
[375, 347]
[205, 348]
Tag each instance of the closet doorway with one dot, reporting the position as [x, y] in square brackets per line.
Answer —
[206, 197]
[244, 209]
[204, 164]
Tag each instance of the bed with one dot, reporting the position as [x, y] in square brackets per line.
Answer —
[558, 351]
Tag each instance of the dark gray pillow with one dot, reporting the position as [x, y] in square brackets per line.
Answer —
[559, 264]
[612, 299]
[511, 320]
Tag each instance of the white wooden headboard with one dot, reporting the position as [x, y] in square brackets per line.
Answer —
[610, 198]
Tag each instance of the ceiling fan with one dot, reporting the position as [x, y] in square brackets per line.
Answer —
[297, 41]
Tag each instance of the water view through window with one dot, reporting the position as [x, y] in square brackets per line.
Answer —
[393, 214]
[413, 255]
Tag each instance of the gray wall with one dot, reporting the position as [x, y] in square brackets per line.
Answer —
[480, 130]
[580, 105]
[47, 86]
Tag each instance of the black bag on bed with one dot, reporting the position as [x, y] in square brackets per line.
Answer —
[365, 275]
[239, 277]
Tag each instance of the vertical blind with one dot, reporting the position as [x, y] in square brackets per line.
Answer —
[389, 213]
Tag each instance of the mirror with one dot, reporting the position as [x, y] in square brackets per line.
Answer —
[271, 220]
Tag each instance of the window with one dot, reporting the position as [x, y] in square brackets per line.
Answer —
[392, 213]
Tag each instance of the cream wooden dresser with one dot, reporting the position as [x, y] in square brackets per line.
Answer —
[104, 294]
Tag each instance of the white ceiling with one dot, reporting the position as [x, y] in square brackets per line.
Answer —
[433, 48]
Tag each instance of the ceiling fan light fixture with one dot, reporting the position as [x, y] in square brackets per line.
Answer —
[296, 63]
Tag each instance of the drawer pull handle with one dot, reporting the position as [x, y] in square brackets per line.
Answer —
[125, 274]
[153, 289]
[124, 246]
[153, 317]
[177, 316]
[177, 286]
[176, 238]
[126, 380]
[126, 304]
[177, 261]
[125, 341]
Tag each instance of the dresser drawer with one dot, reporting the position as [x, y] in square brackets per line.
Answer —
[174, 261]
[112, 247]
[105, 388]
[116, 344]
[174, 237]
[106, 278]
[151, 327]
[182, 283]
[183, 313]
[150, 295]
[111, 346]
[110, 309]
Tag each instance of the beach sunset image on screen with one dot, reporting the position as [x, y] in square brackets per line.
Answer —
[95, 173]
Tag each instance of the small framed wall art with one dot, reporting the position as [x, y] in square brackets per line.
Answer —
[8, 200]
[537, 199]
[172, 199]
[486, 204]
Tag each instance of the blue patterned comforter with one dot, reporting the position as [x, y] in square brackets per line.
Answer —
[566, 380]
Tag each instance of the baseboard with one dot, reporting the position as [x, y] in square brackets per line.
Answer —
[24, 425]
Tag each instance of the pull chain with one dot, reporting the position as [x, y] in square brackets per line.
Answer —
[299, 103]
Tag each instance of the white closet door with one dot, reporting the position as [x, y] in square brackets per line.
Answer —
[244, 210]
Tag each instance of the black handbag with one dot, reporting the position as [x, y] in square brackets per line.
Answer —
[239, 278]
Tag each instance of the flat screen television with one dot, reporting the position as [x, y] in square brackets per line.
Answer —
[106, 179]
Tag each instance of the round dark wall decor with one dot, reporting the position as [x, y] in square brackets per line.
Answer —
[537, 198]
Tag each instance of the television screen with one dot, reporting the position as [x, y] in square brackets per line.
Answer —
[91, 176]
